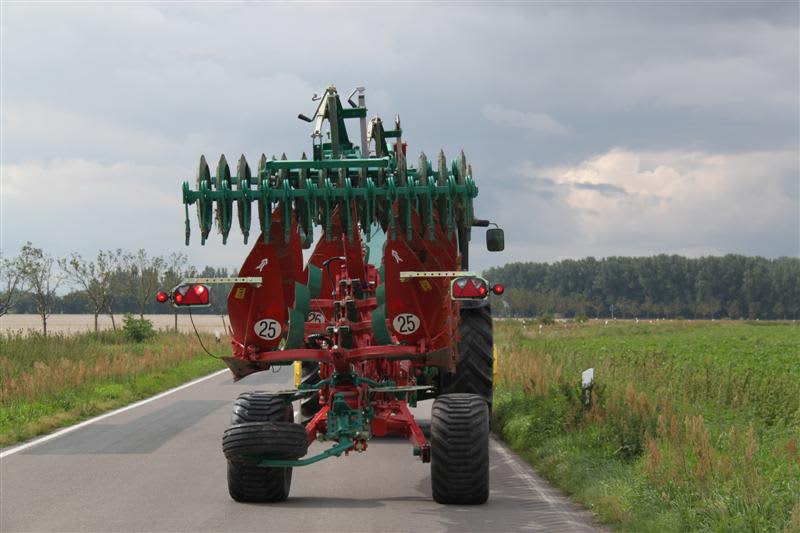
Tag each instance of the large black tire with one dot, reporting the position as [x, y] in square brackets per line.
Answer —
[474, 371]
[248, 482]
[251, 441]
[253, 484]
[460, 449]
[309, 405]
[257, 406]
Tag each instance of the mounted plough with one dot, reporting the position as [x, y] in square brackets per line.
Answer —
[383, 314]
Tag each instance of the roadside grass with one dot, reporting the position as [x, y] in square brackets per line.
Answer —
[693, 426]
[49, 382]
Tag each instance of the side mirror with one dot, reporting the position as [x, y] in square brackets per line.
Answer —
[495, 240]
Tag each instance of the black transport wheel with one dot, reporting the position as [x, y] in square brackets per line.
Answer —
[252, 484]
[309, 405]
[460, 449]
[248, 482]
[252, 441]
[260, 407]
[474, 371]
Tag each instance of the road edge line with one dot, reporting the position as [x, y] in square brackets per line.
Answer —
[520, 469]
[63, 431]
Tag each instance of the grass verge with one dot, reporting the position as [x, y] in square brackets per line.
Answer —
[49, 382]
[691, 427]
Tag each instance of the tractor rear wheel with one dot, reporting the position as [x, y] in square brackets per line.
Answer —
[474, 372]
[460, 449]
[309, 405]
[248, 482]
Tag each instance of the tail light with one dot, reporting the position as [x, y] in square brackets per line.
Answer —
[468, 288]
[191, 295]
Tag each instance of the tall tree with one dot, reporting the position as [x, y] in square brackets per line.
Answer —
[42, 281]
[10, 282]
[93, 277]
[145, 275]
[118, 284]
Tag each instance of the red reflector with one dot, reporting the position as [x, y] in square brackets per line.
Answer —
[468, 287]
[162, 296]
[498, 289]
[192, 294]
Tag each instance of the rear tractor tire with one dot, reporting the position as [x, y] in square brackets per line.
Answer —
[475, 369]
[460, 449]
[261, 425]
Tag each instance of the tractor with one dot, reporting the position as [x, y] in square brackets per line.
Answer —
[384, 312]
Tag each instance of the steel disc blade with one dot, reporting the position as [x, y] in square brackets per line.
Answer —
[224, 211]
[302, 204]
[422, 169]
[424, 206]
[204, 206]
[243, 176]
[462, 216]
[461, 163]
[441, 180]
[263, 210]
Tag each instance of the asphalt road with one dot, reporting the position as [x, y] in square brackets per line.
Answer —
[159, 467]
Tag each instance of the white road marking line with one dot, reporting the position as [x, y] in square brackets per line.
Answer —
[521, 472]
[64, 431]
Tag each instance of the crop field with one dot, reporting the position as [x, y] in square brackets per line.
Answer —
[47, 382]
[69, 324]
[691, 425]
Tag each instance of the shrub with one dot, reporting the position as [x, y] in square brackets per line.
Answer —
[137, 329]
[547, 319]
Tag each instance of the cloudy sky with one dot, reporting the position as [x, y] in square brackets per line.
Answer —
[593, 129]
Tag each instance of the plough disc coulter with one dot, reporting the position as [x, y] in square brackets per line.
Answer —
[372, 324]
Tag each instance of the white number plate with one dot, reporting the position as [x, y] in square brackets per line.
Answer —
[267, 328]
[405, 323]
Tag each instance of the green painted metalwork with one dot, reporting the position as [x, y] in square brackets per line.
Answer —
[338, 175]
[344, 423]
[334, 451]
[297, 317]
[379, 329]
[314, 281]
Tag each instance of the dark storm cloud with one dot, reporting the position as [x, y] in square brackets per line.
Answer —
[559, 108]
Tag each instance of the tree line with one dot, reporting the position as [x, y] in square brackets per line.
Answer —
[113, 282]
[732, 286]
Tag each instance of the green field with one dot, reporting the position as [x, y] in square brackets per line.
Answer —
[693, 426]
[48, 382]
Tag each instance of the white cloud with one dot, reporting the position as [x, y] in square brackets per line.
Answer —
[656, 201]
